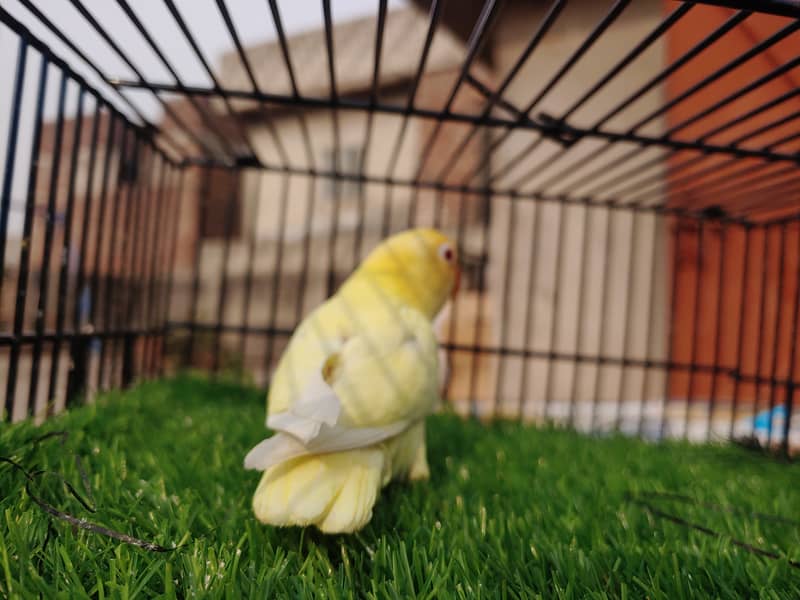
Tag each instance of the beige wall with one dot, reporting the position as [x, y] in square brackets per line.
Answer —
[576, 223]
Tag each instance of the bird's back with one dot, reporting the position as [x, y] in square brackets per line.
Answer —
[379, 340]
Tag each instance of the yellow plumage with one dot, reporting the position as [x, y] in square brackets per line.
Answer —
[349, 396]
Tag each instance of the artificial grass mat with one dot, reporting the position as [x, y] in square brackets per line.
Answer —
[510, 511]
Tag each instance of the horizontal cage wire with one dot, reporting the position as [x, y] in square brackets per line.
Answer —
[184, 182]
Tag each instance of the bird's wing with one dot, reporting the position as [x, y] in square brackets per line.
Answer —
[284, 446]
[316, 405]
[382, 380]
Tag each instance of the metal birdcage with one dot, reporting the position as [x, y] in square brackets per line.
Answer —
[621, 178]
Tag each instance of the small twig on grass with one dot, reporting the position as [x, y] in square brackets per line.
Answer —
[93, 527]
[633, 498]
[721, 507]
[31, 476]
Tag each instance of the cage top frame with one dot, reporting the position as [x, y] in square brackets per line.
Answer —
[215, 148]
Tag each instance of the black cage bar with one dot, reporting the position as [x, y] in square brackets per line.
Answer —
[621, 178]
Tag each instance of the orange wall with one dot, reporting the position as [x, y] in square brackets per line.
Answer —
[768, 308]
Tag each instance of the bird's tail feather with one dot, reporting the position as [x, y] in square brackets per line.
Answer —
[335, 492]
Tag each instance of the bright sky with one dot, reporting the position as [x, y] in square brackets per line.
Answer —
[252, 19]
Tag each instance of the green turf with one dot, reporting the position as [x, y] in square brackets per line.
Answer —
[510, 512]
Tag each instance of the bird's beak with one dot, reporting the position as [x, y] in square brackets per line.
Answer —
[456, 283]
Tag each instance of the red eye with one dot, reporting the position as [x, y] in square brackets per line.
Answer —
[446, 252]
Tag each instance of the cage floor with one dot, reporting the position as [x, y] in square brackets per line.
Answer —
[509, 507]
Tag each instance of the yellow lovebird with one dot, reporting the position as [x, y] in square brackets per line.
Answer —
[350, 394]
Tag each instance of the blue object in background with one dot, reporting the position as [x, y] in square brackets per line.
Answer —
[763, 422]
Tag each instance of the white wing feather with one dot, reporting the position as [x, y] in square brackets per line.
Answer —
[310, 427]
[316, 405]
[283, 446]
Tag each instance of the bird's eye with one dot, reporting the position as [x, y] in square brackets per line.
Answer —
[446, 253]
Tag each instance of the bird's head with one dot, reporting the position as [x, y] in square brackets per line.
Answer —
[419, 265]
